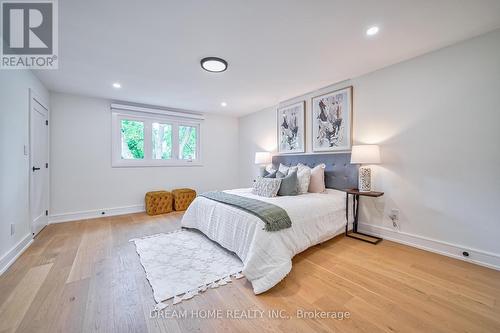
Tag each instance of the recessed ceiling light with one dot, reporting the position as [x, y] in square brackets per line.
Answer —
[214, 64]
[372, 31]
[117, 85]
[223, 104]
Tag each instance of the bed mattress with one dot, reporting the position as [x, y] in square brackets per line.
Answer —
[267, 256]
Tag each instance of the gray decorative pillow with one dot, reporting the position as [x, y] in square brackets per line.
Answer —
[268, 174]
[266, 187]
[289, 183]
[280, 174]
[286, 169]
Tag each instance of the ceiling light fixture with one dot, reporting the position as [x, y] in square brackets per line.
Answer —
[117, 85]
[372, 31]
[213, 64]
[223, 104]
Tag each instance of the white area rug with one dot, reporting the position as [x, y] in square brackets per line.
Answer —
[183, 263]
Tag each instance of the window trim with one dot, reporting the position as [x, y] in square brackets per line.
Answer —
[148, 118]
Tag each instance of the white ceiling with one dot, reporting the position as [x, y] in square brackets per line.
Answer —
[276, 49]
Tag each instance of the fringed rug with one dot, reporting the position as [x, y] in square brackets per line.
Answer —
[184, 263]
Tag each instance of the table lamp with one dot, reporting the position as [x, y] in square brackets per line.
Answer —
[365, 154]
[262, 158]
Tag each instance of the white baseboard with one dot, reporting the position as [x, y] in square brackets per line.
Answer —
[483, 258]
[8, 259]
[91, 214]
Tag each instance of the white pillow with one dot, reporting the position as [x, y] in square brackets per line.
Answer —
[269, 168]
[266, 187]
[304, 177]
[283, 169]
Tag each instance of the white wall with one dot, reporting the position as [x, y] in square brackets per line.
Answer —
[257, 133]
[14, 166]
[82, 178]
[437, 121]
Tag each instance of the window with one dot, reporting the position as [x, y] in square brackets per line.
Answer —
[132, 142]
[187, 142]
[162, 141]
[147, 139]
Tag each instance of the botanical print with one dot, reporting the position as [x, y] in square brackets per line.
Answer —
[291, 128]
[331, 120]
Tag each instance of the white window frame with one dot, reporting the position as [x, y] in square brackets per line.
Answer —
[117, 115]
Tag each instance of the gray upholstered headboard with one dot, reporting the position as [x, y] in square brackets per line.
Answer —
[339, 173]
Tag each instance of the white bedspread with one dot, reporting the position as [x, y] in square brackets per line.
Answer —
[267, 256]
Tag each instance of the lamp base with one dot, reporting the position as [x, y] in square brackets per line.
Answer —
[262, 169]
[365, 179]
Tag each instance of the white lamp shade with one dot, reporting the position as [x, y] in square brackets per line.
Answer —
[262, 157]
[365, 154]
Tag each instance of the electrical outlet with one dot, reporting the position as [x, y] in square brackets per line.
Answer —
[394, 216]
[12, 229]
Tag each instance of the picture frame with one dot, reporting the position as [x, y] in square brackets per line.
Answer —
[291, 127]
[331, 121]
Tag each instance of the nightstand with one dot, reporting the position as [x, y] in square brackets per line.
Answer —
[355, 210]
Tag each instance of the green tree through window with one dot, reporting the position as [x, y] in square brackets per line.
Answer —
[155, 141]
[187, 142]
[132, 139]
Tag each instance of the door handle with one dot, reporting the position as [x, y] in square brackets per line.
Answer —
[35, 169]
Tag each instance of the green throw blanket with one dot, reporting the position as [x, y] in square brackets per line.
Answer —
[275, 218]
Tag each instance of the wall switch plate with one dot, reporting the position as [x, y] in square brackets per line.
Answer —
[12, 229]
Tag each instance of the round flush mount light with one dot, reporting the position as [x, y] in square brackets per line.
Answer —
[117, 85]
[372, 31]
[223, 104]
[213, 64]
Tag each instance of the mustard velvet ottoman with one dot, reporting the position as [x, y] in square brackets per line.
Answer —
[183, 198]
[159, 202]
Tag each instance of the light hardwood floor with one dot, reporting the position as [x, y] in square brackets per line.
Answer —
[86, 277]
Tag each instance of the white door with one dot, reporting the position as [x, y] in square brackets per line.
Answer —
[39, 159]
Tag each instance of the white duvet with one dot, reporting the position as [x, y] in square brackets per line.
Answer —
[267, 256]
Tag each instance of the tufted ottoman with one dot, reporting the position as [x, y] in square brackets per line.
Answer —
[158, 202]
[183, 198]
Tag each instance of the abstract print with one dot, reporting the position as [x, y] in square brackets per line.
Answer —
[331, 121]
[291, 128]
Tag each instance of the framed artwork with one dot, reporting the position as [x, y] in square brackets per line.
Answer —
[291, 128]
[332, 121]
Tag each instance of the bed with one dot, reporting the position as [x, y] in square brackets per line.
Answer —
[267, 256]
